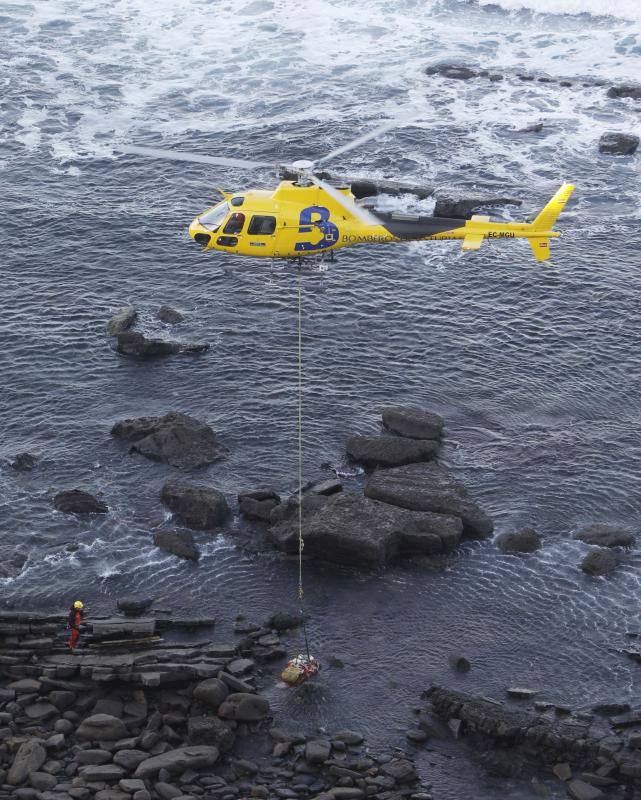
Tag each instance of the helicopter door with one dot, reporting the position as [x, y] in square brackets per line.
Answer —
[261, 235]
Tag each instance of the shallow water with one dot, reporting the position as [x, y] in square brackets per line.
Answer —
[535, 368]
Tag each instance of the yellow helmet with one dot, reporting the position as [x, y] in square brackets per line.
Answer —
[78, 604]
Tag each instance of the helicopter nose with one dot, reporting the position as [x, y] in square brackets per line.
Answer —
[198, 234]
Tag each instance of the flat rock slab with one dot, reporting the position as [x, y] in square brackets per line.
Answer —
[176, 439]
[521, 693]
[97, 773]
[389, 451]
[429, 487]
[348, 528]
[605, 536]
[415, 423]
[580, 790]
[178, 761]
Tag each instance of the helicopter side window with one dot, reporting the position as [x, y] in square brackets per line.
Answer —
[262, 226]
[213, 218]
[235, 223]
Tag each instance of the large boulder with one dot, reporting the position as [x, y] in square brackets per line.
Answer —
[198, 507]
[178, 761]
[212, 692]
[134, 343]
[414, 423]
[389, 451]
[169, 315]
[600, 561]
[75, 501]
[30, 757]
[210, 730]
[23, 462]
[176, 439]
[244, 707]
[348, 528]
[180, 543]
[605, 536]
[625, 90]
[102, 728]
[429, 487]
[122, 321]
[618, 144]
[526, 540]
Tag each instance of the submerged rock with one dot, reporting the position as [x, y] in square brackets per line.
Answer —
[618, 144]
[198, 507]
[181, 544]
[625, 90]
[463, 208]
[258, 504]
[459, 72]
[526, 540]
[415, 423]
[348, 528]
[23, 462]
[536, 127]
[176, 439]
[605, 536]
[389, 451]
[429, 487]
[133, 343]
[134, 605]
[244, 707]
[75, 501]
[122, 321]
[600, 562]
[169, 315]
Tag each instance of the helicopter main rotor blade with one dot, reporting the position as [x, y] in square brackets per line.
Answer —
[176, 155]
[386, 126]
[362, 214]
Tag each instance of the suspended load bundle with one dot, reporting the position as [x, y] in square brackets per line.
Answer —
[300, 669]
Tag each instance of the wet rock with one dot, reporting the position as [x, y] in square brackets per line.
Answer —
[166, 791]
[609, 709]
[102, 728]
[600, 562]
[389, 451]
[351, 738]
[605, 536]
[317, 751]
[180, 543]
[453, 71]
[198, 507]
[459, 663]
[416, 735]
[212, 731]
[242, 666]
[41, 710]
[129, 759]
[62, 699]
[526, 540]
[521, 693]
[75, 501]
[244, 707]
[414, 423]
[284, 621]
[618, 144]
[625, 90]
[464, 207]
[132, 606]
[580, 790]
[31, 755]
[23, 462]
[348, 528]
[428, 487]
[109, 773]
[212, 692]
[134, 343]
[536, 127]
[257, 509]
[169, 315]
[131, 785]
[562, 771]
[122, 321]
[42, 781]
[178, 761]
[176, 439]
[93, 757]
[401, 770]
[326, 488]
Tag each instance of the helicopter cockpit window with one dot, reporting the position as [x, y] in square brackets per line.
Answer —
[212, 219]
[262, 226]
[235, 223]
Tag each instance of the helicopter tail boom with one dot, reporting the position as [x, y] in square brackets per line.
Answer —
[548, 216]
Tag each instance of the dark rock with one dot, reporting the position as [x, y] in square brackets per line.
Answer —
[284, 621]
[24, 462]
[463, 208]
[453, 71]
[625, 90]
[600, 561]
[317, 751]
[605, 536]
[618, 144]
[178, 761]
[521, 693]
[31, 755]
[257, 509]
[169, 315]
[459, 663]
[102, 728]
[351, 738]
[212, 692]
[428, 487]
[244, 707]
[414, 423]
[524, 541]
[166, 791]
[42, 781]
[327, 488]
[609, 709]
[389, 451]
[109, 773]
[210, 730]
[416, 735]
[259, 494]
[198, 507]
[122, 321]
[96, 757]
[580, 790]
[62, 699]
[175, 439]
[76, 501]
[562, 771]
[41, 710]
[134, 343]
[348, 528]
[536, 127]
[129, 759]
[401, 770]
[180, 543]
[134, 605]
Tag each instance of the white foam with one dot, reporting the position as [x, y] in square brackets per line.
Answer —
[625, 9]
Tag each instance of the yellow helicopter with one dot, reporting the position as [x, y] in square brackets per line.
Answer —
[308, 216]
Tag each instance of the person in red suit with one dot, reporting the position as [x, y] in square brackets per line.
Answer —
[76, 616]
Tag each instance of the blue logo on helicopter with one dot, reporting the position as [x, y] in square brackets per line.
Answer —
[307, 224]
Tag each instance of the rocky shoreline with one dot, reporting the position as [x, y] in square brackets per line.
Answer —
[130, 716]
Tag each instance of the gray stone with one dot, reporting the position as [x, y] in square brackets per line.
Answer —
[76, 501]
[414, 423]
[166, 791]
[389, 451]
[625, 90]
[317, 751]
[131, 785]
[580, 790]
[521, 693]
[179, 543]
[42, 781]
[97, 773]
[210, 730]
[142, 794]
[62, 699]
[31, 755]
[257, 509]
[526, 540]
[86, 757]
[102, 728]
[401, 770]
[244, 707]
[605, 536]
[198, 507]
[600, 561]
[177, 761]
[134, 605]
[562, 771]
[134, 343]
[212, 692]
[459, 72]
[24, 462]
[241, 666]
[350, 738]
[129, 759]
[56, 741]
[25, 686]
[169, 315]
[122, 321]
[618, 144]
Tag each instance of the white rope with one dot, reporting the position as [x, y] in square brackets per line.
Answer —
[300, 434]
